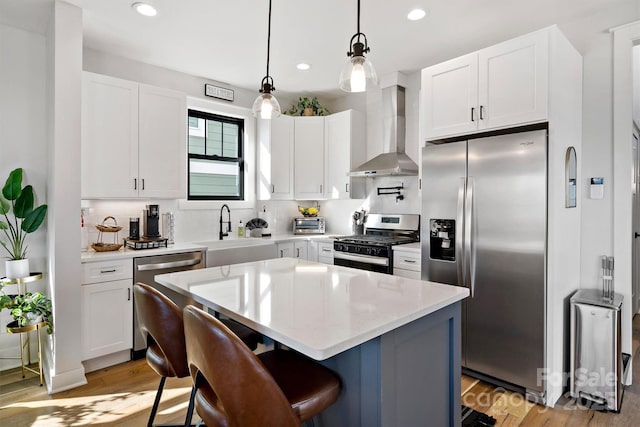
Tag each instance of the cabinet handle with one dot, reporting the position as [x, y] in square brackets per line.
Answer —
[326, 250]
[409, 261]
[481, 110]
[143, 183]
[107, 271]
[135, 183]
[128, 294]
[321, 188]
[473, 114]
[346, 188]
[281, 253]
[297, 252]
[273, 188]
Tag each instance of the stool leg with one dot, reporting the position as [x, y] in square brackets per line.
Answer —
[187, 421]
[154, 409]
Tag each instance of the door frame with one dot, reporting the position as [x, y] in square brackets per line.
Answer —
[624, 37]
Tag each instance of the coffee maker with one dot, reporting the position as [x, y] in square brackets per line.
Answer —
[151, 222]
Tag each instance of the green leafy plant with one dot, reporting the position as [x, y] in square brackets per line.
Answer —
[28, 307]
[298, 108]
[26, 218]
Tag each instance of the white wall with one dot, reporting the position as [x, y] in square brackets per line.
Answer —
[23, 131]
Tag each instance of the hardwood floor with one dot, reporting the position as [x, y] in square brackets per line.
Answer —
[122, 395]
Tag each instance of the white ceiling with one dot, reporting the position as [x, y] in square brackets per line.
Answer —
[225, 40]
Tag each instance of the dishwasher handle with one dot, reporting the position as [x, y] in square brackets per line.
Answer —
[171, 264]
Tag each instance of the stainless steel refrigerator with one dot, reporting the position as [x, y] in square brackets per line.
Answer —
[484, 210]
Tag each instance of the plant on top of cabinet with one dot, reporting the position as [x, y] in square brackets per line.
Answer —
[307, 107]
[26, 219]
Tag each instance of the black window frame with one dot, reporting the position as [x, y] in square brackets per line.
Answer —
[240, 159]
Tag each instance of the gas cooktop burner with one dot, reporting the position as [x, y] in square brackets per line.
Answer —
[368, 239]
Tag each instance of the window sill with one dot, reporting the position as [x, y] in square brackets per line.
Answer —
[215, 204]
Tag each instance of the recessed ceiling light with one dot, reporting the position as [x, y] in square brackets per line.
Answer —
[416, 15]
[144, 9]
[303, 66]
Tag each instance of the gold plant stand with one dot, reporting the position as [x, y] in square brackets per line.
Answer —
[25, 340]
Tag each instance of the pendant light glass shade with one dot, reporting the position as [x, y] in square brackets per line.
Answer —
[266, 106]
[358, 73]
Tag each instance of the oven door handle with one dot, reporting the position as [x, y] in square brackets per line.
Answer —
[368, 259]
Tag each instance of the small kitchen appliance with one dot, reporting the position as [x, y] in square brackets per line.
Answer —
[309, 225]
[134, 228]
[373, 250]
[168, 227]
[151, 222]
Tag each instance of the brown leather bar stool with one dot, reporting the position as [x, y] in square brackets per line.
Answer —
[234, 387]
[161, 320]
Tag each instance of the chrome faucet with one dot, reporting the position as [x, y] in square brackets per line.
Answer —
[222, 234]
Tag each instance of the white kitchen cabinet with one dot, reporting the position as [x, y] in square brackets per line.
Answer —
[500, 86]
[300, 249]
[162, 143]
[106, 308]
[344, 150]
[325, 252]
[406, 263]
[133, 140]
[308, 158]
[275, 158]
[285, 249]
[293, 249]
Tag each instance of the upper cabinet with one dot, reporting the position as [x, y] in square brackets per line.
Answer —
[133, 140]
[345, 149]
[308, 158]
[275, 158]
[497, 87]
[308, 165]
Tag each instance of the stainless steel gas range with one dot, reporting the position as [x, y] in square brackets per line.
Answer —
[373, 250]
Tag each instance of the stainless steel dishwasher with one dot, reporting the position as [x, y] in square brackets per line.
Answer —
[145, 269]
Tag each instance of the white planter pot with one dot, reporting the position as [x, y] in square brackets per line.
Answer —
[17, 269]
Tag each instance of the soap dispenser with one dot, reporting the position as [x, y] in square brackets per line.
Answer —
[240, 229]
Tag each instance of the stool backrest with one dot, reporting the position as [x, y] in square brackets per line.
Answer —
[161, 318]
[246, 393]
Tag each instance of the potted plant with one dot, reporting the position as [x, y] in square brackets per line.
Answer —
[307, 107]
[26, 219]
[28, 309]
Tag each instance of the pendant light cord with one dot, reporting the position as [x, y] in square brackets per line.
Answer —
[269, 37]
[358, 27]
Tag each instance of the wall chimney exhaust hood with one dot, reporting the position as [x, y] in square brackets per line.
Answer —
[393, 160]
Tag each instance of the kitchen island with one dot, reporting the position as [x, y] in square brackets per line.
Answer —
[395, 342]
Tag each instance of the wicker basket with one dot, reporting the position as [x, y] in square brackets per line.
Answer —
[101, 246]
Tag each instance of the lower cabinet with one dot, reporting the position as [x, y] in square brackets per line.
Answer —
[106, 308]
[406, 264]
[325, 252]
[293, 249]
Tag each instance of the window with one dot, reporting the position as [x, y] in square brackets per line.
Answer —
[216, 165]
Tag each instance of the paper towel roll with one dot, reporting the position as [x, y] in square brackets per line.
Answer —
[267, 218]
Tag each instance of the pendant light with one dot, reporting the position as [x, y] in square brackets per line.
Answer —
[266, 105]
[358, 73]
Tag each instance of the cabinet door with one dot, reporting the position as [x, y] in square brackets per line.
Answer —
[162, 143]
[109, 147]
[107, 318]
[344, 150]
[300, 249]
[275, 159]
[325, 253]
[308, 158]
[285, 249]
[450, 97]
[514, 81]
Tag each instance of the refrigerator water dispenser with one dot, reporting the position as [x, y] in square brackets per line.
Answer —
[442, 237]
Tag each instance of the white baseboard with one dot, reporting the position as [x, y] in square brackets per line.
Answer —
[106, 361]
[65, 380]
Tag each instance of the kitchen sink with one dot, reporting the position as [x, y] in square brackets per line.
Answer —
[235, 251]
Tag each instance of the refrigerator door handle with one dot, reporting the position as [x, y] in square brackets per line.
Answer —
[468, 235]
[459, 233]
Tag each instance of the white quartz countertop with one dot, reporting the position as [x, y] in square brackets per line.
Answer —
[123, 253]
[409, 247]
[317, 309]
